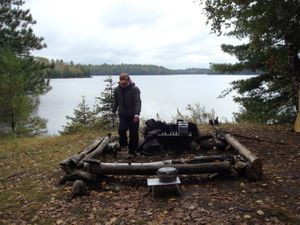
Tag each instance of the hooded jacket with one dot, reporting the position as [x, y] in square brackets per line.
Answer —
[127, 100]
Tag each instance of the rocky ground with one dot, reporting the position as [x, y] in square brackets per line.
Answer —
[217, 200]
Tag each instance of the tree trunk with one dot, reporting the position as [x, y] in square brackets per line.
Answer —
[297, 122]
[293, 64]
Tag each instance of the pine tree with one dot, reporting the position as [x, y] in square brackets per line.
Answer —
[22, 78]
[19, 90]
[83, 118]
[15, 28]
[105, 102]
[272, 31]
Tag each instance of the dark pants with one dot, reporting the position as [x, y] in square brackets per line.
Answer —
[126, 123]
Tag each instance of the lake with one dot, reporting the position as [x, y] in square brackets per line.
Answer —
[162, 94]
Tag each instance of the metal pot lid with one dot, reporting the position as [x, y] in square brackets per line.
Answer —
[167, 171]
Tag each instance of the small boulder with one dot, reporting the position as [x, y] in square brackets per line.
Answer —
[79, 188]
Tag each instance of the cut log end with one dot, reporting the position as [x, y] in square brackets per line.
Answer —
[253, 172]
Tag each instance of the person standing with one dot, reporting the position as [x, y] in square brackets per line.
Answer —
[128, 103]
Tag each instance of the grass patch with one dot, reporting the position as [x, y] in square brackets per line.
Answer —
[29, 170]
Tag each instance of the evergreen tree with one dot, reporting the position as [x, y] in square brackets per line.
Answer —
[15, 28]
[105, 102]
[83, 118]
[22, 78]
[272, 28]
[19, 90]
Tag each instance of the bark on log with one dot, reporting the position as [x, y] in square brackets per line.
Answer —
[99, 149]
[210, 158]
[156, 163]
[142, 169]
[243, 150]
[92, 146]
[72, 161]
[254, 170]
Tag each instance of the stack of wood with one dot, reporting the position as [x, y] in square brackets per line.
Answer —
[86, 167]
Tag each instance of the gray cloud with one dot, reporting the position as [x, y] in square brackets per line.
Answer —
[170, 33]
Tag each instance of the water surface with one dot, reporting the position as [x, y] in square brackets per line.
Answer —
[162, 94]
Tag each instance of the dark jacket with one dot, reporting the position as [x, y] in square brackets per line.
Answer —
[127, 100]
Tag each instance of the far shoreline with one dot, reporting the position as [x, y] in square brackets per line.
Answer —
[140, 75]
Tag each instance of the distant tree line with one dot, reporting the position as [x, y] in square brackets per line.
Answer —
[140, 69]
[61, 69]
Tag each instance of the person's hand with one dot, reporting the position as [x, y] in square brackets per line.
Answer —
[136, 118]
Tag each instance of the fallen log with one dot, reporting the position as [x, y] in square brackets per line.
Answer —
[71, 162]
[146, 169]
[79, 175]
[211, 158]
[92, 150]
[254, 168]
[198, 159]
[92, 146]
[243, 150]
[99, 149]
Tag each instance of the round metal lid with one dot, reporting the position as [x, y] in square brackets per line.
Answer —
[167, 171]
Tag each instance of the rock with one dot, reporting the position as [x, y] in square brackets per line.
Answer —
[242, 185]
[247, 216]
[240, 166]
[116, 189]
[79, 188]
[260, 212]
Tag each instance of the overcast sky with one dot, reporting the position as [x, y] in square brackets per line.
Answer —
[170, 33]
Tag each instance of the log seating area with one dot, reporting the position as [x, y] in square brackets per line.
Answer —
[87, 167]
